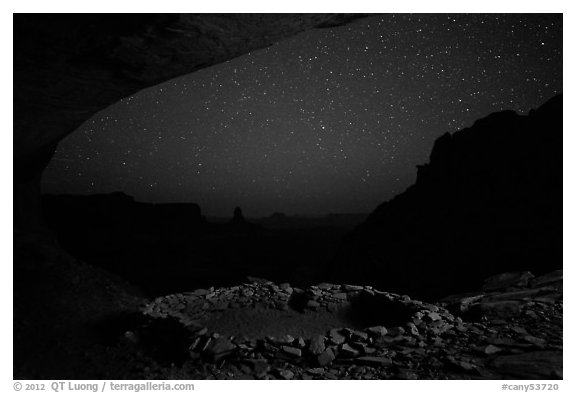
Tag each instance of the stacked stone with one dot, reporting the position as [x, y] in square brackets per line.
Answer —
[370, 346]
[523, 342]
[191, 308]
[431, 343]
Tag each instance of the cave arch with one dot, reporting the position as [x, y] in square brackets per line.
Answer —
[67, 67]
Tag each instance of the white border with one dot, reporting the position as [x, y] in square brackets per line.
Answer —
[364, 6]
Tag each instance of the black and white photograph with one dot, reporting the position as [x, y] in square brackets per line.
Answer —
[287, 196]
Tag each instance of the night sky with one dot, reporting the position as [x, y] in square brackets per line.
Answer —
[329, 121]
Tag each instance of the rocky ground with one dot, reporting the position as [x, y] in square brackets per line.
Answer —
[74, 321]
[510, 329]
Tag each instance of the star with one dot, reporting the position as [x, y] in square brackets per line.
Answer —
[295, 127]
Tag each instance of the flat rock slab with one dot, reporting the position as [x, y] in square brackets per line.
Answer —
[374, 361]
[531, 365]
[506, 280]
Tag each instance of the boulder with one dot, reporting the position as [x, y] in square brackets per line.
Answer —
[377, 331]
[326, 357]
[317, 344]
[336, 337]
[491, 349]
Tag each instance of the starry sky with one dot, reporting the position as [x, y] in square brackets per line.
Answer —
[329, 121]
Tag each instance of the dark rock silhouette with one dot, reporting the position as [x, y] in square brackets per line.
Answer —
[239, 226]
[278, 216]
[95, 60]
[344, 222]
[66, 312]
[117, 213]
[489, 200]
[238, 218]
[165, 248]
[139, 241]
